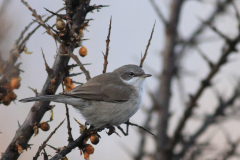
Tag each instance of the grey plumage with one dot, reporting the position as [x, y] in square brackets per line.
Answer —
[107, 99]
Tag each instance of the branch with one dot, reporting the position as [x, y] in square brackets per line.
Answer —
[206, 82]
[158, 11]
[169, 68]
[33, 31]
[70, 137]
[220, 8]
[71, 146]
[140, 127]
[45, 142]
[107, 47]
[52, 82]
[146, 50]
[141, 146]
[40, 21]
[209, 120]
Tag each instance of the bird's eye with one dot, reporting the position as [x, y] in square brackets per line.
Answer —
[131, 74]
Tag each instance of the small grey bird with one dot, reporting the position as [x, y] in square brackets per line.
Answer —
[109, 99]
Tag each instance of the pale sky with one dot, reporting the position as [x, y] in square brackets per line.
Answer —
[132, 23]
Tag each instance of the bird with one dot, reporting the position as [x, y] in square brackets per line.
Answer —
[108, 99]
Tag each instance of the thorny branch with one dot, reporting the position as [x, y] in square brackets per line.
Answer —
[229, 48]
[169, 67]
[220, 8]
[158, 11]
[53, 80]
[107, 48]
[40, 21]
[140, 127]
[45, 142]
[70, 137]
[209, 120]
[146, 50]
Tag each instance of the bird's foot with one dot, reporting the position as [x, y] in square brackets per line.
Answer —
[111, 130]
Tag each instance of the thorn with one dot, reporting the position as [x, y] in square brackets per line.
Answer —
[48, 69]
[205, 57]
[34, 90]
[19, 124]
[75, 74]
[117, 134]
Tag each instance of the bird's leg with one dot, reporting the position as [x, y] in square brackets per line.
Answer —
[124, 133]
[127, 126]
[111, 130]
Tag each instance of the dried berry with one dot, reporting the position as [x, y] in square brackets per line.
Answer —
[60, 25]
[81, 33]
[83, 51]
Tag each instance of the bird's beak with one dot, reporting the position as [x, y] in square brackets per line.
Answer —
[146, 75]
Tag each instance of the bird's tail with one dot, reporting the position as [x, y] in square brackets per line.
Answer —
[55, 98]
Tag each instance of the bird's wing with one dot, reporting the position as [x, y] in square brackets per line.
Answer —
[103, 88]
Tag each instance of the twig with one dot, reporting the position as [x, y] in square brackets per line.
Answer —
[45, 154]
[70, 138]
[40, 21]
[48, 69]
[141, 145]
[56, 149]
[45, 142]
[217, 31]
[220, 8]
[237, 13]
[107, 48]
[146, 50]
[140, 127]
[204, 57]
[97, 7]
[78, 142]
[75, 58]
[34, 90]
[33, 31]
[23, 32]
[209, 120]
[158, 11]
[62, 16]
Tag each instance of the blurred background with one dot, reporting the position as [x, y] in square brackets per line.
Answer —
[132, 22]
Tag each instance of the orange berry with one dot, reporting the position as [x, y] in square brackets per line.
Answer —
[44, 126]
[89, 149]
[94, 139]
[15, 83]
[67, 81]
[83, 51]
[86, 155]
